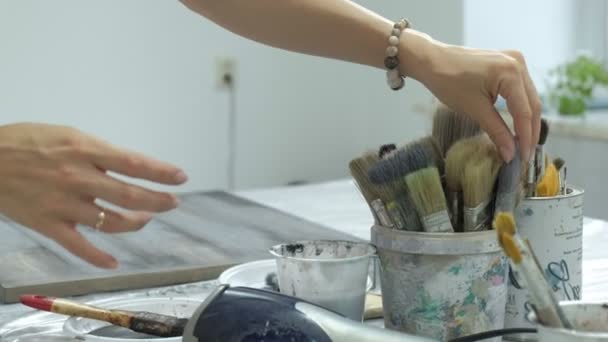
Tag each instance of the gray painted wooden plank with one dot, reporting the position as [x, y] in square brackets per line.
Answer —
[209, 232]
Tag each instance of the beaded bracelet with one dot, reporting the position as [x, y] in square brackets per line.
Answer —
[391, 62]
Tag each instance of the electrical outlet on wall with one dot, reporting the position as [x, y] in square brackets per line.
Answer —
[225, 68]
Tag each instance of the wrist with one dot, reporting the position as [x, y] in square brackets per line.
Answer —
[416, 50]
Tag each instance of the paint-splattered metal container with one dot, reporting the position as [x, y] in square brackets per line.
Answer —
[441, 285]
[554, 227]
[589, 321]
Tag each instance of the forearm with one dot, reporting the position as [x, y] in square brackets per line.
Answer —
[338, 29]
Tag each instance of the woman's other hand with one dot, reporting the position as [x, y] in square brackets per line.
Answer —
[50, 177]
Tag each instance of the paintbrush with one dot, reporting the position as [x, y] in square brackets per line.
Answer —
[537, 162]
[427, 194]
[450, 126]
[403, 212]
[508, 183]
[549, 184]
[409, 158]
[432, 147]
[138, 321]
[560, 165]
[359, 168]
[525, 264]
[381, 212]
[478, 182]
[386, 149]
[456, 160]
[386, 198]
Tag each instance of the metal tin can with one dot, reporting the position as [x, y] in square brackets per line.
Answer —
[554, 227]
[441, 285]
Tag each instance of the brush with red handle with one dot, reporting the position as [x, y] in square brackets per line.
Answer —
[138, 321]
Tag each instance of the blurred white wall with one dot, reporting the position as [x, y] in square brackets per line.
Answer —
[544, 30]
[141, 74]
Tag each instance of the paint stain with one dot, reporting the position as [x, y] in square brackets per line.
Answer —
[292, 249]
[528, 212]
[455, 269]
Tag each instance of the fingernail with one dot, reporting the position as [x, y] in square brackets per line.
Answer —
[176, 201]
[181, 177]
[111, 263]
[506, 153]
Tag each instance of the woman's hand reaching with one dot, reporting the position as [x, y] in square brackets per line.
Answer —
[470, 80]
[50, 177]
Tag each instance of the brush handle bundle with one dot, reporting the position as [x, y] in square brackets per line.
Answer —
[445, 182]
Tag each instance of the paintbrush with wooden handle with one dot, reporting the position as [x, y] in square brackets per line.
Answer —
[525, 264]
[138, 321]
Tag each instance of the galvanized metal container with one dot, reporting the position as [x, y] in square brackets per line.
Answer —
[554, 227]
[588, 319]
[441, 285]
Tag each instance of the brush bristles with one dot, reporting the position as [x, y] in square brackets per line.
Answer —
[449, 127]
[511, 250]
[359, 168]
[433, 149]
[504, 223]
[559, 163]
[549, 184]
[479, 179]
[386, 149]
[408, 213]
[426, 192]
[544, 131]
[393, 193]
[455, 161]
[401, 162]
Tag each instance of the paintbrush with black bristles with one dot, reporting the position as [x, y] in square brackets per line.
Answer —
[139, 321]
[540, 153]
[560, 165]
[427, 194]
[478, 183]
[450, 126]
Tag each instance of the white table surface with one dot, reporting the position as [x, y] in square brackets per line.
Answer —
[338, 205]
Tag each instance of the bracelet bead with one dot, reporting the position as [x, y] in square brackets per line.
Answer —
[391, 62]
[394, 41]
[391, 51]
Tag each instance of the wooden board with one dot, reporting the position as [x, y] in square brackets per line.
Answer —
[208, 233]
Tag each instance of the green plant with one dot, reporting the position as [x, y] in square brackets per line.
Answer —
[573, 84]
